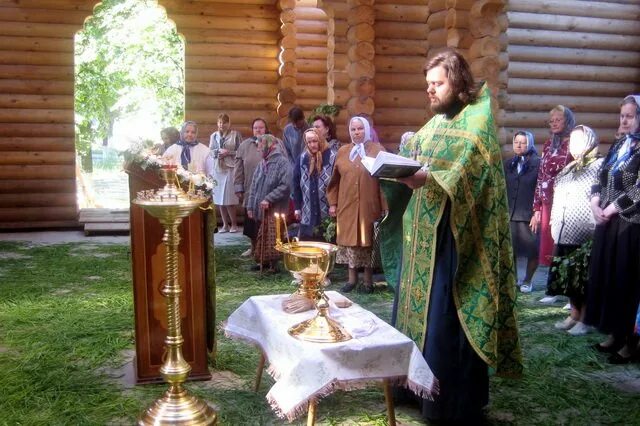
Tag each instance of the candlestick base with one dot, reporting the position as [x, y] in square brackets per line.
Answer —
[178, 407]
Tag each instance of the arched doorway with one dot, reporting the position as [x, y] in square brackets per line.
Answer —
[129, 84]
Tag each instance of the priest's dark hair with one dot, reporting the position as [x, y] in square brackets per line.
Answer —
[458, 72]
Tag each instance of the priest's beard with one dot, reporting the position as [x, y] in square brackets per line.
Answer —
[450, 106]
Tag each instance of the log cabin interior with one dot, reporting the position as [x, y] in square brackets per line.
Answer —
[254, 58]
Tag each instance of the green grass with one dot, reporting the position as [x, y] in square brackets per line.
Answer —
[66, 319]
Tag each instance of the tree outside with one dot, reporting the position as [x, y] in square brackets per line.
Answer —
[129, 84]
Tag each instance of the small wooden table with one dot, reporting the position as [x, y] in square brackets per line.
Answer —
[305, 371]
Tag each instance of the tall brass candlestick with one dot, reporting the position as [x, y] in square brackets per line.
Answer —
[176, 407]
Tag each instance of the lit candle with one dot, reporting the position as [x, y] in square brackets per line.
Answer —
[286, 230]
[278, 240]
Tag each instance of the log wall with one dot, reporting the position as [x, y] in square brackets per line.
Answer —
[582, 54]
[401, 48]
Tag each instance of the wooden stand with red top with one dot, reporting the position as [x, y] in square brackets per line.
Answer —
[148, 268]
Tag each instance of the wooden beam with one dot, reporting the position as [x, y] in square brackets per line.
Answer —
[563, 55]
[574, 39]
[45, 185]
[555, 22]
[576, 8]
[537, 86]
[37, 144]
[36, 87]
[41, 158]
[573, 72]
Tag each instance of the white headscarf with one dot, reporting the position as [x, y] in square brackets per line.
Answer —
[358, 148]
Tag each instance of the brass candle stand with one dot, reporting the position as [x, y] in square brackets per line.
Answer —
[310, 262]
[176, 407]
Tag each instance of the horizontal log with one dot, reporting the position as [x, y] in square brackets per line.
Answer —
[207, 116]
[38, 171]
[43, 157]
[574, 39]
[362, 87]
[38, 200]
[50, 4]
[36, 101]
[181, 7]
[577, 103]
[390, 135]
[563, 55]
[573, 23]
[311, 27]
[36, 130]
[36, 44]
[28, 72]
[312, 78]
[311, 65]
[286, 96]
[312, 52]
[287, 82]
[232, 89]
[37, 144]
[484, 15]
[401, 13]
[33, 214]
[459, 38]
[457, 19]
[460, 4]
[17, 115]
[401, 47]
[312, 39]
[338, 79]
[310, 14]
[35, 58]
[19, 14]
[230, 102]
[39, 30]
[527, 119]
[235, 50]
[13, 186]
[361, 32]
[535, 86]
[308, 104]
[576, 8]
[315, 92]
[401, 99]
[193, 76]
[341, 97]
[573, 72]
[401, 81]
[224, 23]
[485, 46]
[363, 50]
[401, 64]
[361, 69]
[36, 87]
[400, 116]
[401, 30]
[340, 62]
[227, 63]
[195, 35]
[360, 106]
[437, 20]
[361, 14]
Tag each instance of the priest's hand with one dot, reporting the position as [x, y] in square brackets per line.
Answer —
[415, 181]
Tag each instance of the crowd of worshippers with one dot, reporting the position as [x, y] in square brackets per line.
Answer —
[573, 208]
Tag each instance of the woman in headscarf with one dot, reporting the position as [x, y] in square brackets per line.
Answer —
[311, 177]
[555, 156]
[521, 174]
[613, 292]
[223, 145]
[355, 199]
[572, 225]
[269, 194]
[188, 152]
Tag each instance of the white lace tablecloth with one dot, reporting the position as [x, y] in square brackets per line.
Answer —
[305, 370]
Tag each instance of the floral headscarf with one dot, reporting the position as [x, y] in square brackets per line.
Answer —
[588, 155]
[315, 160]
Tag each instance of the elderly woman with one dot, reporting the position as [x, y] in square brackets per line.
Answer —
[555, 156]
[269, 194]
[613, 291]
[521, 174]
[327, 128]
[572, 224]
[247, 159]
[355, 199]
[223, 145]
[311, 177]
[188, 152]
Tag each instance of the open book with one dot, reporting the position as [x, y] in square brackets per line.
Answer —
[388, 165]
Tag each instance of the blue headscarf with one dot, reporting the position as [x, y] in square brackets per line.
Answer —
[569, 124]
[524, 159]
[622, 150]
[185, 156]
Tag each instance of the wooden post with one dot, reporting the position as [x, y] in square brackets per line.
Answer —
[361, 53]
[288, 69]
[388, 399]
